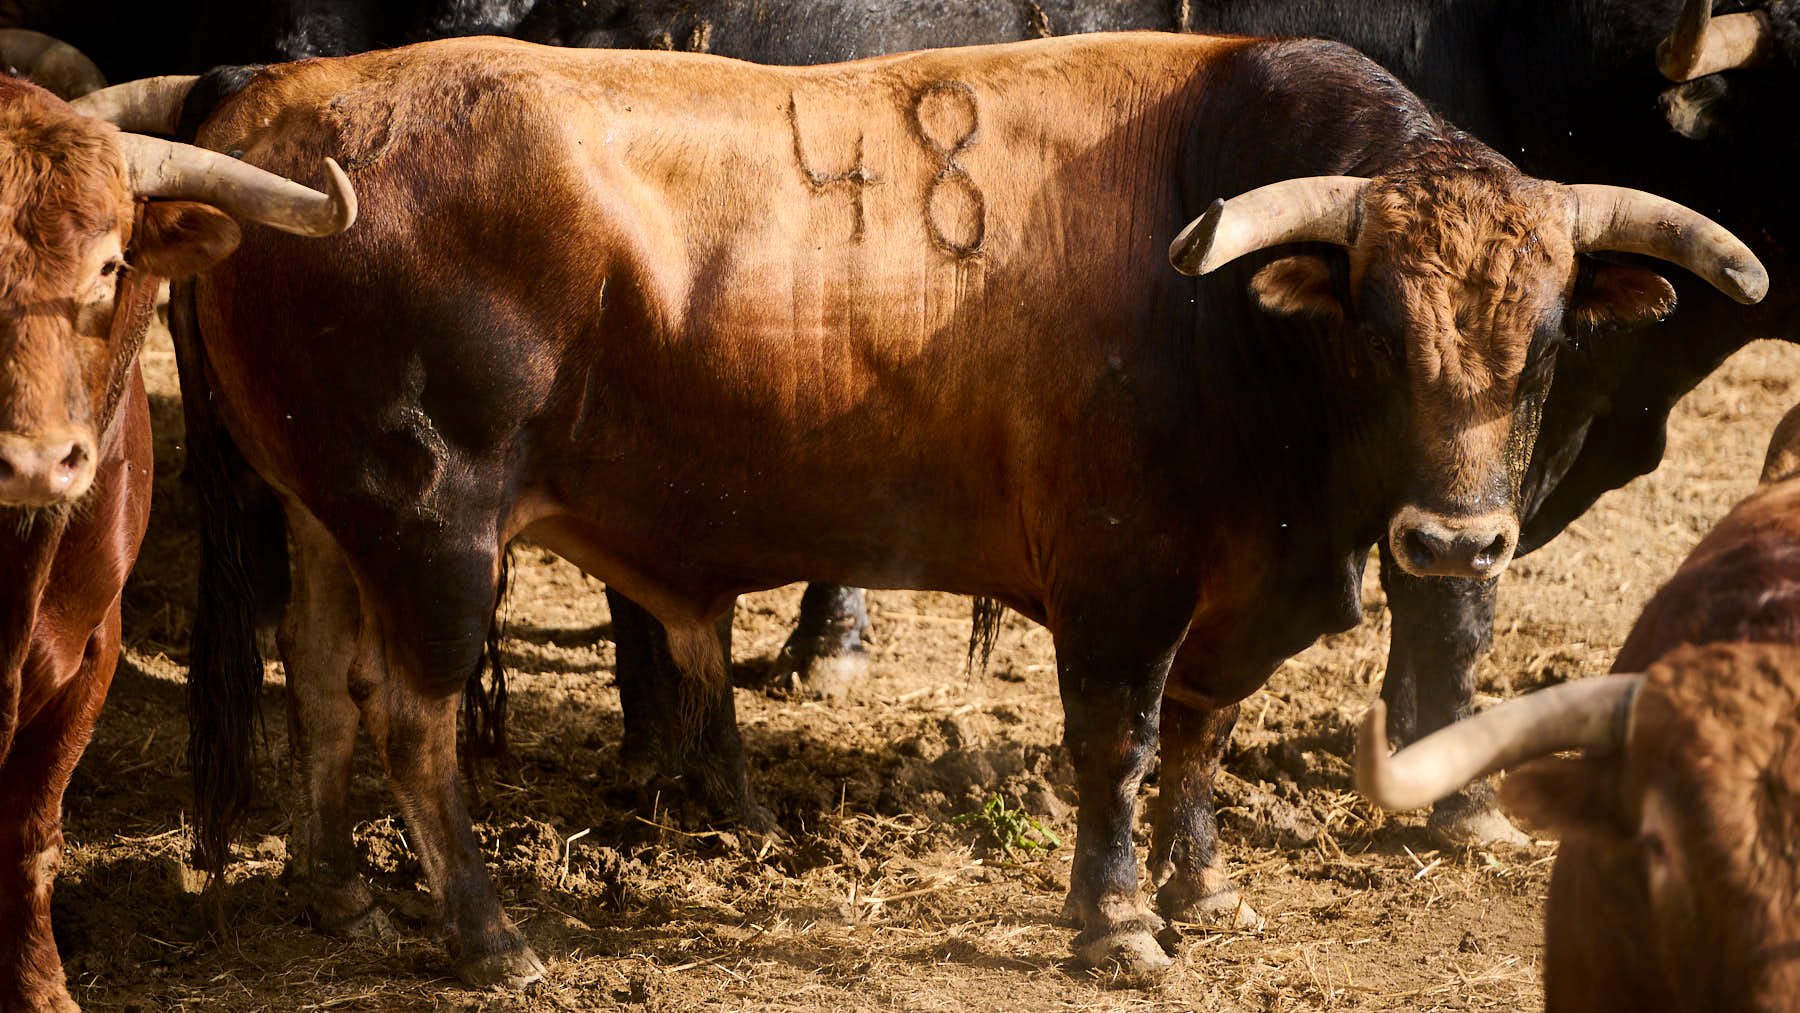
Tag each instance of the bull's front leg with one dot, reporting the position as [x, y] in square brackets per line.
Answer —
[1442, 627]
[1111, 665]
[824, 656]
[1185, 866]
[32, 781]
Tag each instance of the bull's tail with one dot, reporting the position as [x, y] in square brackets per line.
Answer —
[984, 632]
[484, 701]
[225, 668]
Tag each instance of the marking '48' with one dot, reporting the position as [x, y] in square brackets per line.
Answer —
[945, 119]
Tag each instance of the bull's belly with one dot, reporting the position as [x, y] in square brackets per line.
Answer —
[693, 565]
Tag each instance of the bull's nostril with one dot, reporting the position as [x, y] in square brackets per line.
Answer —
[1491, 553]
[1418, 549]
[75, 458]
[6, 469]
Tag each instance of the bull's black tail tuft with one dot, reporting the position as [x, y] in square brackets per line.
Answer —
[484, 699]
[225, 669]
[984, 631]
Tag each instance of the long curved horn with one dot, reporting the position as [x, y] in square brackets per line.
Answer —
[50, 62]
[1591, 713]
[1315, 209]
[150, 105]
[158, 168]
[1632, 221]
[1702, 45]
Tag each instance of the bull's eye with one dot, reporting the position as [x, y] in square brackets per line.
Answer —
[1652, 847]
[113, 268]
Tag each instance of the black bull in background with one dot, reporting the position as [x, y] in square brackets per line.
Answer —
[1569, 90]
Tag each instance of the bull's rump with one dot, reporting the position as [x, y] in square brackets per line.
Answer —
[852, 315]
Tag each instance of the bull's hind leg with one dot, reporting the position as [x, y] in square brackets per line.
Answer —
[682, 727]
[824, 656]
[318, 640]
[427, 608]
[1112, 659]
[1442, 626]
[32, 780]
[1184, 848]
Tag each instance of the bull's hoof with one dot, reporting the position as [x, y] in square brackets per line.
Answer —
[818, 676]
[756, 817]
[343, 910]
[1475, 827]
[370, 924]
[53, 999]
[510, 969]
[1225, 909]
[1129, 952]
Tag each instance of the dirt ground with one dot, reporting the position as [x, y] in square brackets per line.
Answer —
[873, 898]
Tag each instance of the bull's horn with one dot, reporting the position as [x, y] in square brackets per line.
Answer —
[1702, 45]
[1632, 221]
[158, 168]
[150, 105]
[53, 63]
[1591, 713]
[1315, 209]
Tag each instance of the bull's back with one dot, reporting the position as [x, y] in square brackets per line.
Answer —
[1741, 583]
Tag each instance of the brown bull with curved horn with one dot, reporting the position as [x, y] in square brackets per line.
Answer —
[1675, 886]
[96, 219]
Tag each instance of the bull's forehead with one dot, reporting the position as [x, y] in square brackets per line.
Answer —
[63, 201]
[1469, 266]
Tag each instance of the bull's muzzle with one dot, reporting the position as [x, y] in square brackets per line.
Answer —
[1431, 544]
[45, 470]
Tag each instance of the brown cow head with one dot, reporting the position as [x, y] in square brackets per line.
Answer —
[1678, 884]
[80, 236]
[70, 233]
[1472, 274]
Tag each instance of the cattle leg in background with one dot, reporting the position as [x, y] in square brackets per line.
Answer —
[824, 656]
[1442, 627]
[708, 765]
[318, 638]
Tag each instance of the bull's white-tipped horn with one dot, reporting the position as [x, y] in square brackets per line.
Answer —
[1702, 44]
[1588, 714]
[50, 62]
[1315, 209]
[150, 105]
[158, 168]
[1632, 221]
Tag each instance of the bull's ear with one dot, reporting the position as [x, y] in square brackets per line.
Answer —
[1563, 796]
[1615, 297]
[1300, 285]
[178, 239]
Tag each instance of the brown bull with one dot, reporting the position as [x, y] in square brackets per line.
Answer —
[1677, 887]
[704, 327]
[81, 254]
